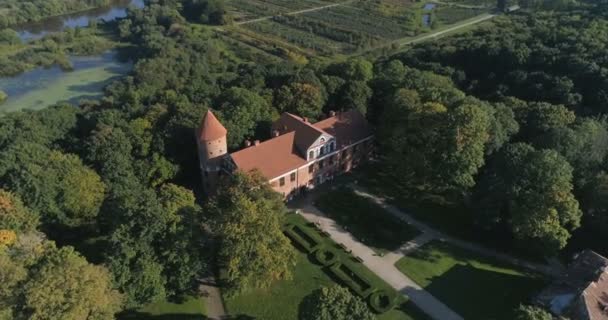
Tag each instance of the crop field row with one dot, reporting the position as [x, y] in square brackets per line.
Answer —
[348, 28]
[243, 10]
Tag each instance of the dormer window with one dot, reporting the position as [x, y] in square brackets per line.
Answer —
[311, 155]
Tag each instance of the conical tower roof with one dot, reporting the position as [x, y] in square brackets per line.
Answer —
[211, 128]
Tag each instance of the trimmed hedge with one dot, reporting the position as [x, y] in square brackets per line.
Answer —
[352, 279]
[325, 256]
[381, 301]
[310, 239]
[302, 237]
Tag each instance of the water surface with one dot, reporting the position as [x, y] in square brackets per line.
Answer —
[42, 87]
[36, 30]
[429, 6]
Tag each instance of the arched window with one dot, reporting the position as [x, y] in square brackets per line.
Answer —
[332, 146]
[311, 155]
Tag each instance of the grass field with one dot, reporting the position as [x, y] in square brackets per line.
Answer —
[191, 308]
[473, 286]
[43, 87]
[366, 220]
[284, 300]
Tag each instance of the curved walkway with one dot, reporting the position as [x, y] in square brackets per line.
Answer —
[379, 265]
[553, 270]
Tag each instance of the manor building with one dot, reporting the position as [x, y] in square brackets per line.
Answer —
[300, 155]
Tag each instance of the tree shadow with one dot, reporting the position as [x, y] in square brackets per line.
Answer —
[477, 293]
[134, 315]
[307, 304]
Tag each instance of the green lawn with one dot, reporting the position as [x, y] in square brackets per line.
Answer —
[366, 220]
[191, 308]
[444, 212]
[473, 286]
[283, 301]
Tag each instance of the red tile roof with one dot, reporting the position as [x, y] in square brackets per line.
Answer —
[273, 157]
[210, 128]
[287, 152]
[347, 127]
[306, 134]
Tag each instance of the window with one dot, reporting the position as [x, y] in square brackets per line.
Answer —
[311, 168]
[332, 146]
[332, 160]
[292, 177]
[321, 164]
[356, 148]
[311, 155]
[282, 182]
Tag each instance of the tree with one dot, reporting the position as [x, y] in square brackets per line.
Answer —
[245, 115]
[135, 269]
[56, 185]
[3, 96]
[9, 37]
[336, 303]
[14, 215]
[355, 95]
[531, 313]
[356, 69]
[181, 250]
[65, 286]
[468, 132]
[247, 216]
[303, 99]
[418, 135]
[531, 192]
[584, 144]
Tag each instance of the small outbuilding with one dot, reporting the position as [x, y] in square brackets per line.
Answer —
[582, 292]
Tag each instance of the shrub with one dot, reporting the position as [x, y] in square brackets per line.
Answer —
[381, 301]
[326, 256]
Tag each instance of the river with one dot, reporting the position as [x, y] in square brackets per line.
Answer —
[42, 87]
[39, 29]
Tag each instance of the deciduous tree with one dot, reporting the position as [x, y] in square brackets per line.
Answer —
[247, 216]
[336, 303]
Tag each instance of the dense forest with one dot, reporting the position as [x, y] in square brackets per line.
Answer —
[508, 120]
[549, 69]
[14, 12]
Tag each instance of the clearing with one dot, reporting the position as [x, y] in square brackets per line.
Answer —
[475, 287]
[365, 220]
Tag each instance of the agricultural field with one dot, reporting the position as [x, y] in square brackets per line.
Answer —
[243, 10]
[328, 28]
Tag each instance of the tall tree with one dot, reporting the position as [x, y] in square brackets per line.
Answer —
[531, 192]
[336, 303]
[65, 286]
[247, 217]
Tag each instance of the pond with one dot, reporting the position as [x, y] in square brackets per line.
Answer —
[426, 20]
[429, 6]
[42, 87]
[39, 29]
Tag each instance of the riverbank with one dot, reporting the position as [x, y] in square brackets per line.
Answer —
[54, 49]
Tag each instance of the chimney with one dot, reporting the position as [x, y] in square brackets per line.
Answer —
[247, 143]
[275, 133]
[256, 143]
[332, 113]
